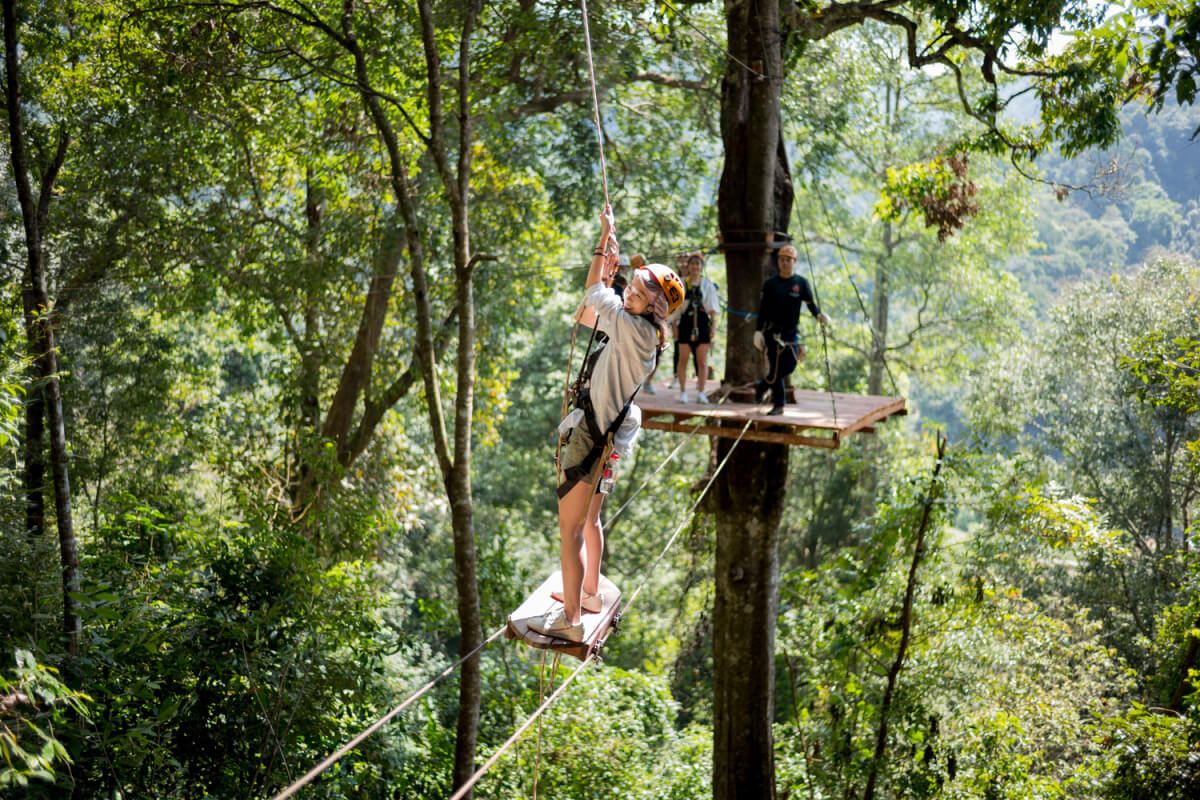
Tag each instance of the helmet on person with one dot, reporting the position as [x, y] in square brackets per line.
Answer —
[670, 284]
[787, 250]
[638, 261]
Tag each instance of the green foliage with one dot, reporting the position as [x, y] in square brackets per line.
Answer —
[215, 666]
[989, 698]
[1169, 371]
[1067, 396]
[32, 702]
[1153, 756]
[613, 736]
[939, 188]
[223, 212]
[1173, 56]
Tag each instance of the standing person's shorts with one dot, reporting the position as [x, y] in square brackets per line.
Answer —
[695, 329]
[570, 458]
[577, 443]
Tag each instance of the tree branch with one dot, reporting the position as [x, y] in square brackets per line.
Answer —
[905, 620]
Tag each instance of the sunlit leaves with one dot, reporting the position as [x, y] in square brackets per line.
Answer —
[31, 701]
[938, 187]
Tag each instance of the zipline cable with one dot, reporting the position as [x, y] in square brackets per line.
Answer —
[357, 740]
[587, 39]
[691, 513]
[466, 787]
[479, 773]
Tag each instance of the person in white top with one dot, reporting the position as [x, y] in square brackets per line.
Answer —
[695, 322]
[635, 326]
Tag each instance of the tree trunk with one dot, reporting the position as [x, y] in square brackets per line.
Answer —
[754, 201]
[879, 323]
[35, 445]
[457, 472]
[40, 333]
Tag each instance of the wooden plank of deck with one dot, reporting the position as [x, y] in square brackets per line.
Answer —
[840, 413]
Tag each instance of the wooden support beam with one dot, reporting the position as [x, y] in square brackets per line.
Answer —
[753, 434]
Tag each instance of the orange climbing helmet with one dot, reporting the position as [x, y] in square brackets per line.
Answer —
[670, 284]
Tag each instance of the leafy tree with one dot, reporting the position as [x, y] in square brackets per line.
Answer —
[1067, 396]
[32, 702]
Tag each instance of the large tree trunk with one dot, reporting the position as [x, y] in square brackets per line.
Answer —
[40, 334]
[754, 201]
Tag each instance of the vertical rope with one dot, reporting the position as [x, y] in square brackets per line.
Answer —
[846, 266]
[812, 276]
[587, 38]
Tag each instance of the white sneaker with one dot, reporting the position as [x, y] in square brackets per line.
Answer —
[674, 384]
[683, 397]
[555, 624]
[650, 388]
[701, 397]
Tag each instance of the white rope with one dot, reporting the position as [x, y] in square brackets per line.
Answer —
[357, 740]
[587, 38]
[466, 787]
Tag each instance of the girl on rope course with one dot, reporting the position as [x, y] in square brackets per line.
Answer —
[604, 419]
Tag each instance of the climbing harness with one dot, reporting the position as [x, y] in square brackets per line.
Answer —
[602, 440]
[796, 349]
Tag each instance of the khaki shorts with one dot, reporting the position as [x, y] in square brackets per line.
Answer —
[574, 451]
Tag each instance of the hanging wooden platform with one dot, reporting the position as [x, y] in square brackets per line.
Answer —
[595, 626]
[809, 418]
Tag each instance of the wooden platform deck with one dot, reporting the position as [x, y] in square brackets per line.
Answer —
[809, 418]
[595, 626]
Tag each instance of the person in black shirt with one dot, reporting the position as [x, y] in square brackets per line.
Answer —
[777, 333]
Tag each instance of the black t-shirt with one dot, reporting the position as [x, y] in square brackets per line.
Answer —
[779, 308]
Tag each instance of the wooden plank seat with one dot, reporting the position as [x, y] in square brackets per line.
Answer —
[595, 626]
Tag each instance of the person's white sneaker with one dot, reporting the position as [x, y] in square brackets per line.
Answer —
[673, 384]
[555, 624]
[701, 397]
[650, 388]
[683, 397]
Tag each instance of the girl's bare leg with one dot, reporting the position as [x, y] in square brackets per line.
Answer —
[702, 366]
[593, 537]
[685, 355]
[571, 542]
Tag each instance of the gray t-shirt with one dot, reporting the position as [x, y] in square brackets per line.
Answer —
[624, 362]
